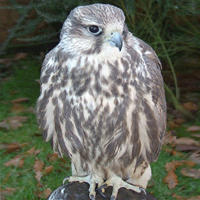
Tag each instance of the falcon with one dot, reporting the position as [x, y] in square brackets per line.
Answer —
[102, 101]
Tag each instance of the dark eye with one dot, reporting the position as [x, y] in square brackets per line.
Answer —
[95, 30]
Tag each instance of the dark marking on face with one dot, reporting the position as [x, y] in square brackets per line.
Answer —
[125, 31]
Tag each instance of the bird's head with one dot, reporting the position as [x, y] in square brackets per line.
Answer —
[95, 29]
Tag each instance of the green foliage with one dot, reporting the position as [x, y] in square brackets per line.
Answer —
[175, 21]
[26, 73]
[172, 28]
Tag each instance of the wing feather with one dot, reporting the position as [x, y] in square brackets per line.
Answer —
[157, 96]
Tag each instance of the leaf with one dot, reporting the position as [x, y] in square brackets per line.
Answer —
[47, 192]
[193, 128]
[184, 147]
[178, 197]
[43, 194]
[39, 194]
[8, 191]
[38, 175]
[14, 92]
[15, 122]
[194, 173]
[171, 180]
[195, 157]
[173, 125]
[189, 163]
[4, 125]
[179, 120]
[169, 137]
[32, 151]
[20, 56]
[5, 61]
[48, 169]
[17, 161]
[52, 157]
[15, 147]
[191, 107]
[17, 108]
[31, 109]
[172, 152]
[38, 165]
[194, 198]
[186, 141]
[7, 177]
[20, 100]
[196, 135]
[171, 166]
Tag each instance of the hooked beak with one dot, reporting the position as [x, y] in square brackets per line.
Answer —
[115, 39]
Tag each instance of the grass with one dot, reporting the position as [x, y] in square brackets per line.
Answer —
[22, 84]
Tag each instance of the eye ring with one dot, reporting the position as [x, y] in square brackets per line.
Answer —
[94, 29]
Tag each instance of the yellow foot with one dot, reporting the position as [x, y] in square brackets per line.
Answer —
[117, 183]
[91, 179]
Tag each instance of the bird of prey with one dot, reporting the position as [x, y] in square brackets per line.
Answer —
[102, 100]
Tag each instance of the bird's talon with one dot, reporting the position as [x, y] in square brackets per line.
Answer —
[103, 186]
[65, 179]
[143, 190]
[112, 198]
[92, 197]
[101, 193]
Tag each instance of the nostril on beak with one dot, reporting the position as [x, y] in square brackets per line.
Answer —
[115, 39]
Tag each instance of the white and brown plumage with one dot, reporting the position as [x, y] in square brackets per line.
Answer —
[102, 100]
